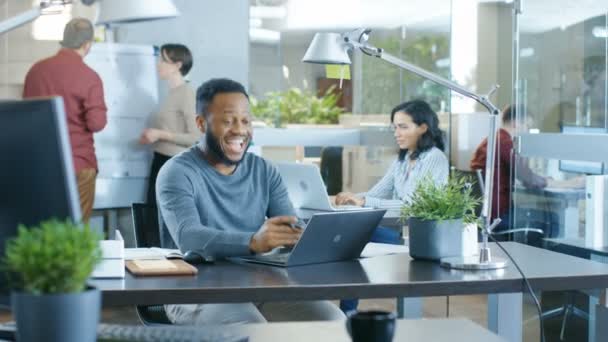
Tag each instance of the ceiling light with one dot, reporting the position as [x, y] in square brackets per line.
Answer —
[123, 12]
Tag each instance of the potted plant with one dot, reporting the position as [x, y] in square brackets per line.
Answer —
[296, 106]
[441, 219]
[47, 268]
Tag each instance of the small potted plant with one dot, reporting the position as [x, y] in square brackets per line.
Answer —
[441, 219]
[47, 268]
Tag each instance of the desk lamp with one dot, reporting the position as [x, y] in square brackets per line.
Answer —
[45, 7]
[332, 48]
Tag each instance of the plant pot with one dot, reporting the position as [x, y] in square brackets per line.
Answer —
[433, 240]
[71, 317]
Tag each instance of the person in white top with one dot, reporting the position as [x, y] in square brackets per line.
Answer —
[173, 129]
[416, 131]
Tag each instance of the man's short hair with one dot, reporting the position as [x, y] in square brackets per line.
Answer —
[207, 91]
[508, 114]
[77, 32]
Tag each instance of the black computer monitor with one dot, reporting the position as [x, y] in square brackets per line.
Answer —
[37, 179]
[576, 166]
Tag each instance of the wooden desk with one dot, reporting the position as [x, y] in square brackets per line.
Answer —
[380, 277]
[435, 330]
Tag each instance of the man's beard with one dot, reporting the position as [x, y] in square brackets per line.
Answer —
[213, 146]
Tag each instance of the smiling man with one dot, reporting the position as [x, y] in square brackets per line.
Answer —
[220, 201]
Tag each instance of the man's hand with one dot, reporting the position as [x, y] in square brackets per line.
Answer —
[275, 232]
[347, 198]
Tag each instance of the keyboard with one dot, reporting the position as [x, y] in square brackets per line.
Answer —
[280, 258]
[140, 333]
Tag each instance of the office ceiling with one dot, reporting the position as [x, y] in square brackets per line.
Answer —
[429, 15]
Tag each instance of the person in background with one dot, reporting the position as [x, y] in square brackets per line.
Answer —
[509, 166]
[174, 126]
[66, 75]
[503, 168]
[219, 201]
[416, 131]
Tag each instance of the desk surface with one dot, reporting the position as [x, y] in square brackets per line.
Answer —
[424, 330]
[578, 244]
[561, 193]
[379, 277]
[436, 330]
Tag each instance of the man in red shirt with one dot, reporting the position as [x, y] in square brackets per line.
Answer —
[504, 167]
[66, 75]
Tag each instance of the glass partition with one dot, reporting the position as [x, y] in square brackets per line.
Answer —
[283, 86]
[562, 97]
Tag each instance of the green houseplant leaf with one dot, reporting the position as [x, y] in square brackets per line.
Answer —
[439, 202]
[296, 106]
[55, 257]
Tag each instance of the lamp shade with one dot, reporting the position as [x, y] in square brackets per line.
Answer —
[327, 48]
[131, 11]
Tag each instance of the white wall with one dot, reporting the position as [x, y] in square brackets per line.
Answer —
[217, 33]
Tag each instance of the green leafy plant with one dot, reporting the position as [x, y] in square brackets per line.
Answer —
[432, 201]
[296, 106]
[56, 257]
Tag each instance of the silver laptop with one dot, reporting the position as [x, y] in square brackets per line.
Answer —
[327, 237]
[306, 188]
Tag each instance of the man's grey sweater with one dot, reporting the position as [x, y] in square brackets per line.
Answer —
[201, 209]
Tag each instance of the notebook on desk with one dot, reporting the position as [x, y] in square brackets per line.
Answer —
[160, 267]
[328, 237]
[306, 188]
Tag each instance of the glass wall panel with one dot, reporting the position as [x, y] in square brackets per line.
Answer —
[561, 88]
[284, 85]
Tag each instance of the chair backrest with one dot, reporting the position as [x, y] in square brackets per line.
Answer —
[331, 168]
[145, 224]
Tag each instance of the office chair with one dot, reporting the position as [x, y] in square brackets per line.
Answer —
[147, 234]
[526, 230]
[331, 168]
[567, 310]
[530, 219]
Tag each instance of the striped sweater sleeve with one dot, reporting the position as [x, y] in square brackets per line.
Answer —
[436, 165]
[381, 194]
[433, 163]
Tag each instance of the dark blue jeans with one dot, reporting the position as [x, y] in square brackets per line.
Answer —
[381, 235]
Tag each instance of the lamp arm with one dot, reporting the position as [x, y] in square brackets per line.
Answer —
[361, 44]
[27, 16]
[20, 19]
[377, 52]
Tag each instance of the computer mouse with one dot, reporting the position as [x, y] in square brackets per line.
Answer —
[195, 258]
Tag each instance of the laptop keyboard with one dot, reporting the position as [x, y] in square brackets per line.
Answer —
[281, 258]
[139, 333]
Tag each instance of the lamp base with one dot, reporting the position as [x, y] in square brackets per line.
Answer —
[473, 263]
